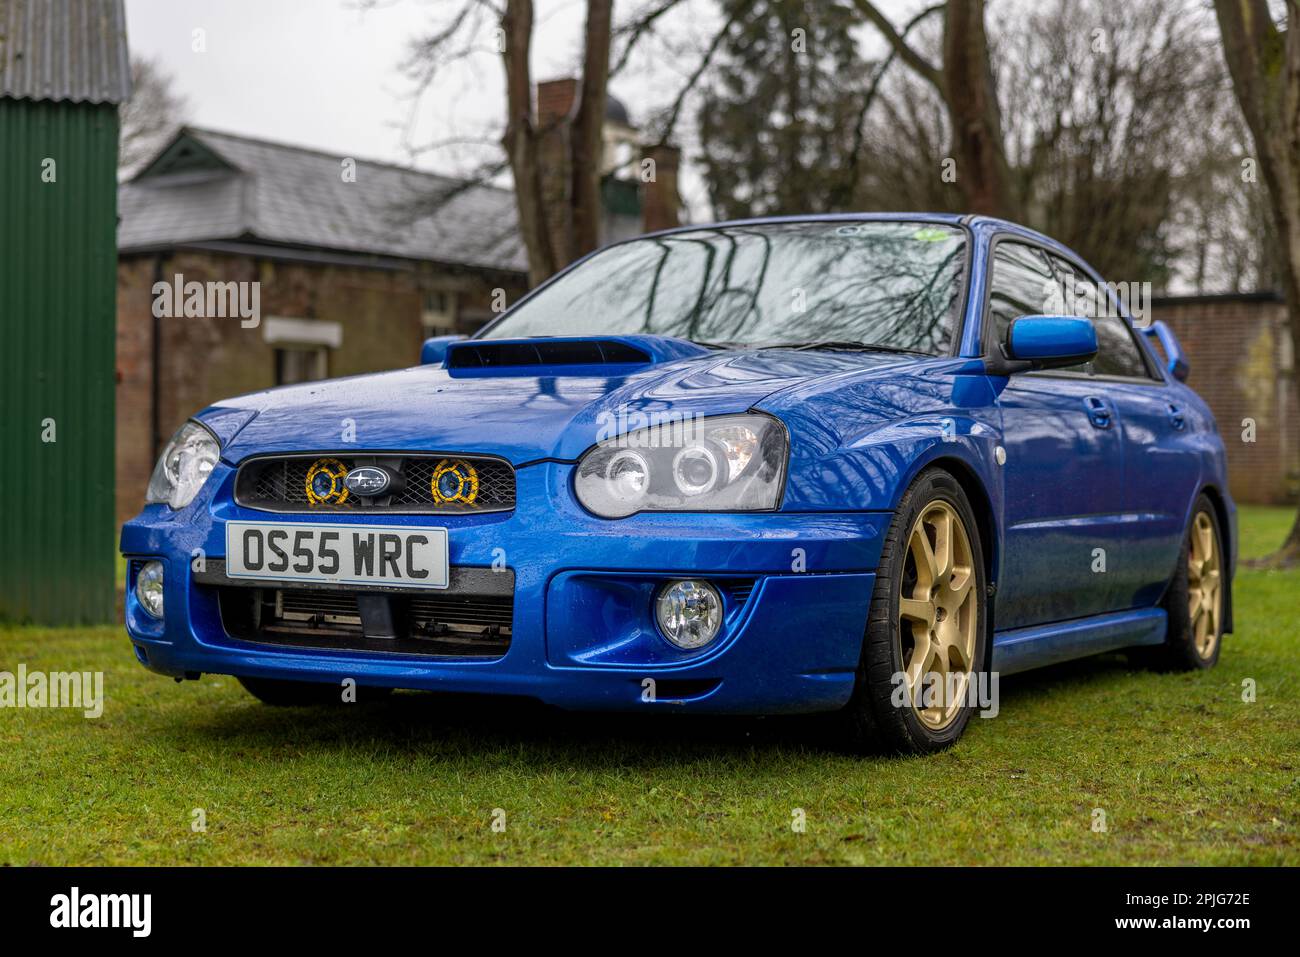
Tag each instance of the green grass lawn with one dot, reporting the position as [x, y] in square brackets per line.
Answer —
[1186, 772]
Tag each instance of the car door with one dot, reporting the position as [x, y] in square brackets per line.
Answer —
[1161, 466]
[1063, 476]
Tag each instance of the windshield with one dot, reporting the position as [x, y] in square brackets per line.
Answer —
[890, 285]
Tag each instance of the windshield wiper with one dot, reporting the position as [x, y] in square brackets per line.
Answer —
[719, 345]
[842, 344]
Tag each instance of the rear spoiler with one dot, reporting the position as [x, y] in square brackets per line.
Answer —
[1173, 351]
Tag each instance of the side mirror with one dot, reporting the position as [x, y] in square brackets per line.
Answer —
[1175, 358]
[1044, 342]
[434, 350]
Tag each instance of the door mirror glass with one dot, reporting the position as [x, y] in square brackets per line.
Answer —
[1048, 342]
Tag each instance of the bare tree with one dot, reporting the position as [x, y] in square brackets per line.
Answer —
[149, 118]
[1264, 59]
[904, 138]
[1224, 227]
[1120, 131]
[555, 162]
[965, 82]
[554, 234]
[1107, 107]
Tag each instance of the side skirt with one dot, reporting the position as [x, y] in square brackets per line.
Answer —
[1024, 648]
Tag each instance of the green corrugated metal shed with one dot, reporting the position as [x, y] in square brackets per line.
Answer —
[63, 69]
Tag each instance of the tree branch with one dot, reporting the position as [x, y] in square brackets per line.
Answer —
[923, 67]
[703, 65]
[637, 28]
[859, 130]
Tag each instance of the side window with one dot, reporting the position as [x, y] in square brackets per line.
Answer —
[1022, 285]
[1117, 352]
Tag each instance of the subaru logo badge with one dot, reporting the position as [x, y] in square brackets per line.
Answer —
[367, 481]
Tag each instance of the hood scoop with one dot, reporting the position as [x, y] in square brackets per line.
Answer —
[565, 355]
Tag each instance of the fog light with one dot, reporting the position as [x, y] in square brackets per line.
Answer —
[149, 588]
[689, 613]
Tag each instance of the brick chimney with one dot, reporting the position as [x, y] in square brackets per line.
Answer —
[555, 100]
[660, 202]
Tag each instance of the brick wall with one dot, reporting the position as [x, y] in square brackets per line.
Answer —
[1241, 365]
[205, 360]
[661, 202]
[134, 450]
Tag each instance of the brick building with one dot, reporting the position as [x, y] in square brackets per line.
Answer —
[1241, 361]
[355, 264]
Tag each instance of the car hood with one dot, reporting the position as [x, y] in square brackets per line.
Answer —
[520, 417]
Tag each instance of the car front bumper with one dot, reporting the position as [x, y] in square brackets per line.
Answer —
[583, 631]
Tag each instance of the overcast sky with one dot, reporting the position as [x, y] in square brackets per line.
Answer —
[320, 73]
[326, 73]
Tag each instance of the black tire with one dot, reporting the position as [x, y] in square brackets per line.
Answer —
[872, 721]
[297, 694]
[1179, 651]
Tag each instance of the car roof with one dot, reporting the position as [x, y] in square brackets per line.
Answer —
[993, 224]
[987, 224]
[951, 219]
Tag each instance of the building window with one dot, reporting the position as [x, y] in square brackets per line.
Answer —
[300, 364]
[438, 312]
[301, 347]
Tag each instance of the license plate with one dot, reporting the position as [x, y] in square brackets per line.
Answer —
[338, 553]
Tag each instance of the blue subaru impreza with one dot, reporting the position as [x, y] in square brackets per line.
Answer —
[854, 464]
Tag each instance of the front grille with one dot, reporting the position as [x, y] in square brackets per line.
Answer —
[470, 484]
[452, 625]
[318, 609]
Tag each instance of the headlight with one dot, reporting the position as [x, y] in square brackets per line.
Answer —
[149, 588]
[184, 466]
[727, 463]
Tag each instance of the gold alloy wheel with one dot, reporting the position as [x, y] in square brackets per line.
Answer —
[938, 614]
[1204, 580]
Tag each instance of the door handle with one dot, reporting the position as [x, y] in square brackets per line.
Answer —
[1176, 418]
[1098, 412]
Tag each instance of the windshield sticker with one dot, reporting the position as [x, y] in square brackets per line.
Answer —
[930, 234]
